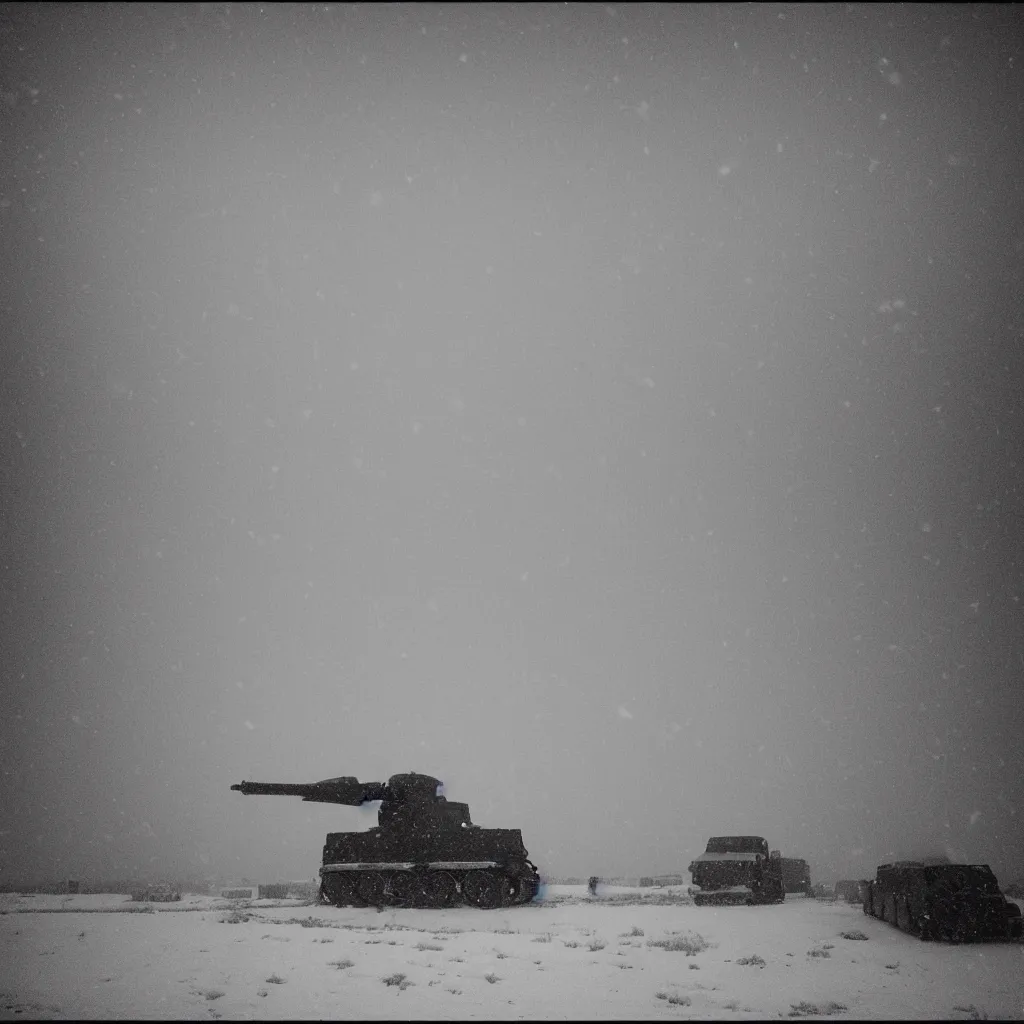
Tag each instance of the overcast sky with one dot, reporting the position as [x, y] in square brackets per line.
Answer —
[613, 411]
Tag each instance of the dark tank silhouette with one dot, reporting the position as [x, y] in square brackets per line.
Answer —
[424, 852]
[737, 870]
[942, 901]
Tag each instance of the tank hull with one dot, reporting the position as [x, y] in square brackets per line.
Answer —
[946, 903]
[737, 871]
[486, 868]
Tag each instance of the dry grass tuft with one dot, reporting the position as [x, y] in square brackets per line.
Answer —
[805, 1009]
[673, 998]
[341, 964]
[275, 979]
[690, 943]
[596, 945]
[854, 935]
[972, 1012]
[398, 981]
[422, 946]
[751, 961]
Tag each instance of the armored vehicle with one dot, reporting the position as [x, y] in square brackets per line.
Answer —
[850, 890]
[951, 902]
[161, 892]
[796, 875]
[738, 870]
[424, 852]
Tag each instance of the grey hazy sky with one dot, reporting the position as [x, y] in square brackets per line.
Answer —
[613, 411]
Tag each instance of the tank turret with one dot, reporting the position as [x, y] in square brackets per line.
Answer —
[424, 852]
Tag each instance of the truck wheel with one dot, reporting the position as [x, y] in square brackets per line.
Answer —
[482, 889]
[400, 889]
[904, 921]
[370, 888]
[526, 889]
[889, 909]
[442, 889]
[877, 903]
[339, 890]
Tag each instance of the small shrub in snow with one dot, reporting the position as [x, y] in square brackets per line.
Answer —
[823, 952]
[213, 994]
[492, 978]
[694, 967]
[751, 961]
[691, 944]
[972, 1011]
[398, 981]
[855, 934]
[596, 945]
[341, 964]
[571, 945]
[674, 999]
[422, 946]
[633, 932]
[235, 917]
[546, 937]
[805, 1009]
[275, 979]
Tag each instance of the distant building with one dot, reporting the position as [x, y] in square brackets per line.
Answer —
[658, 881]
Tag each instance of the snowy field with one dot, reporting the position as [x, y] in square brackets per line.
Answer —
[627, 954]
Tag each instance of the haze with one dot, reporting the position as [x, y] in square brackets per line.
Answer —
[613, 411]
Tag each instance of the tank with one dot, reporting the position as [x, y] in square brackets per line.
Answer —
[945, 902]
[738, 870]
[424, 852]
[796, 875]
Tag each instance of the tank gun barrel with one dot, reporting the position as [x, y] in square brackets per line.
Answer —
[345, 790]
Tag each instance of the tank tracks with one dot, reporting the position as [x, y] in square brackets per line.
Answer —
[426, 889]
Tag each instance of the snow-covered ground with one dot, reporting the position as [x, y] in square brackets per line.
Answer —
[566, 957]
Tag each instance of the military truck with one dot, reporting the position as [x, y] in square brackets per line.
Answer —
[737, 870]
[796, 875]
[851, 890]
[941, 901]
[424, 852]
[160, 892]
